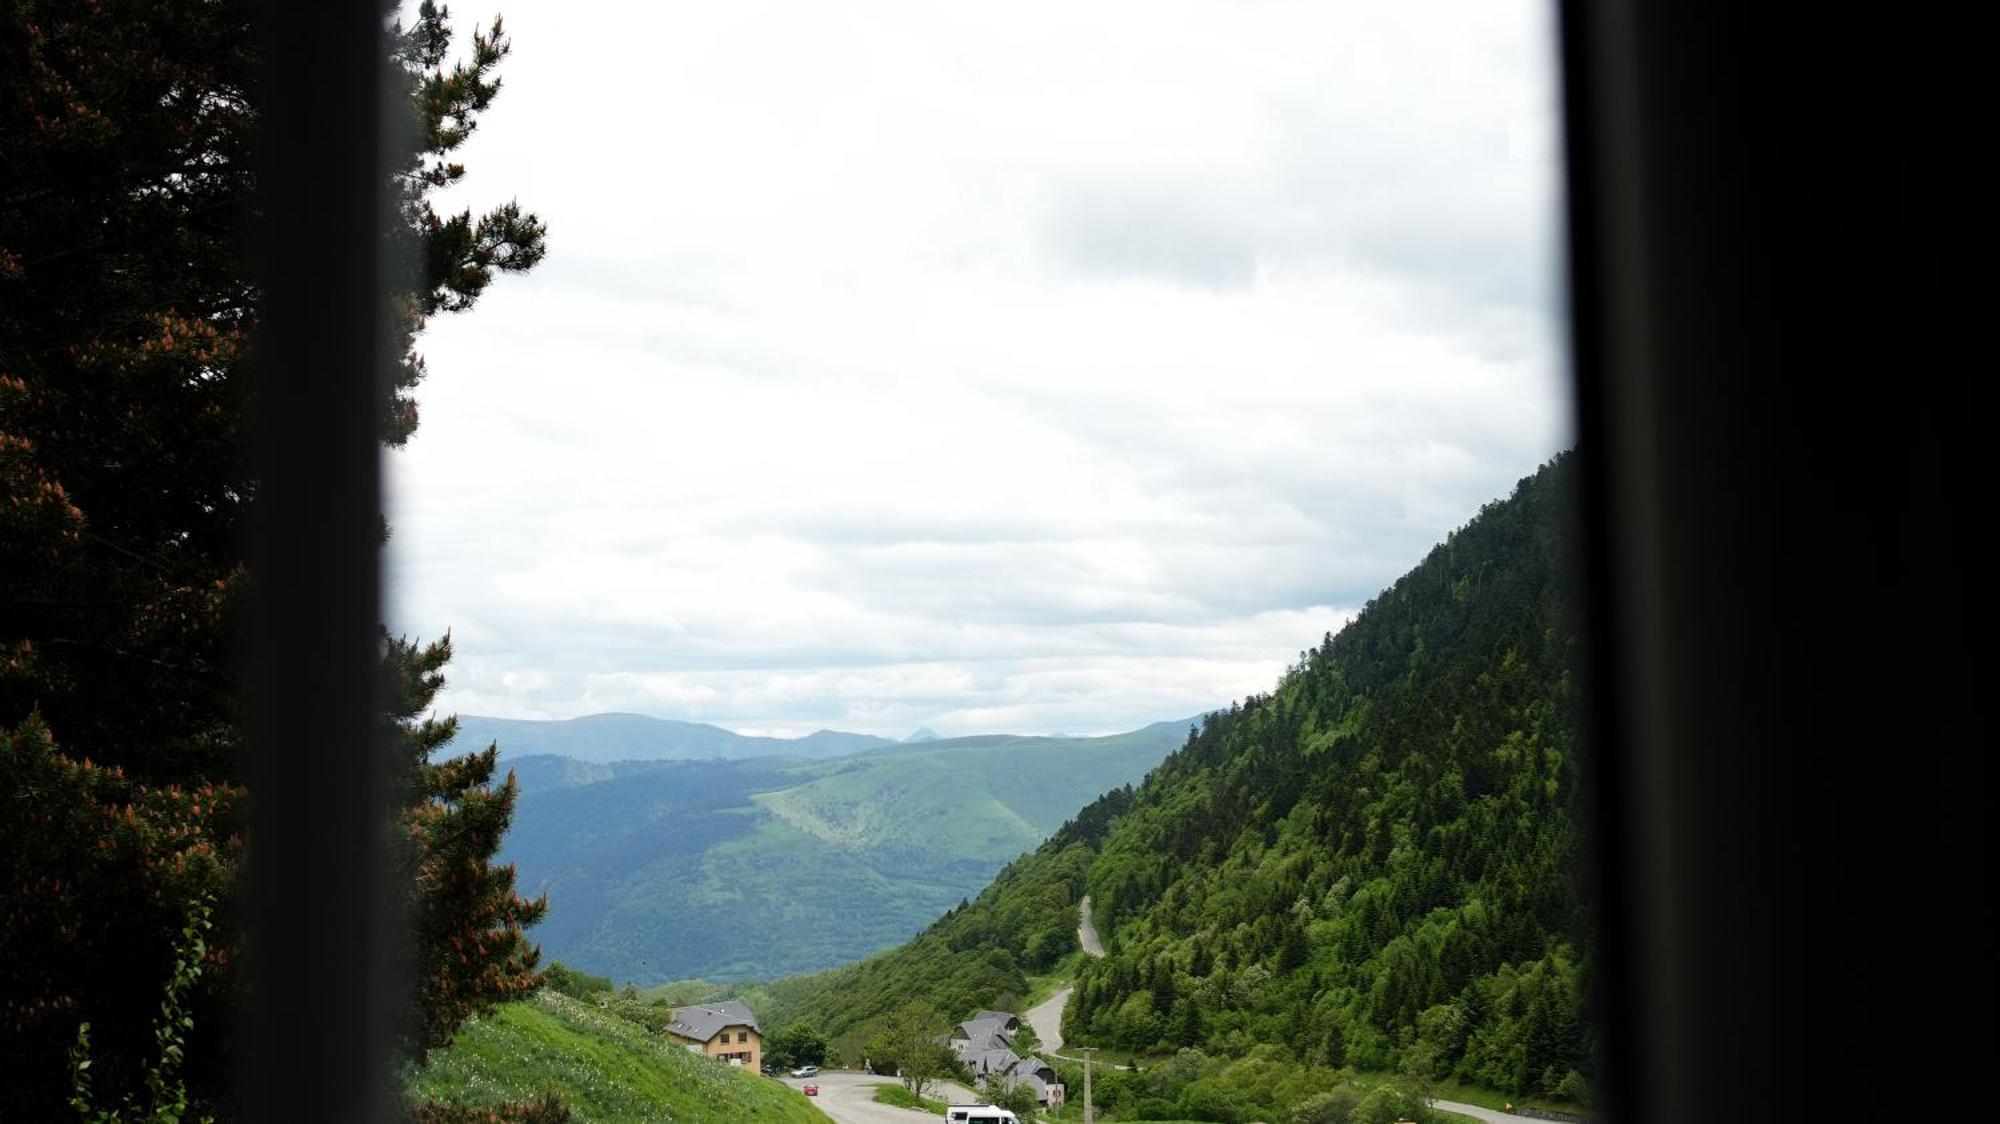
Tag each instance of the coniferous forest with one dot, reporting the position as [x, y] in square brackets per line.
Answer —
[1376, 865]
[128, 315]
[1383, 854]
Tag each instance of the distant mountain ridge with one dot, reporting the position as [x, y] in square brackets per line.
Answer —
[765, 864]
[607, 738]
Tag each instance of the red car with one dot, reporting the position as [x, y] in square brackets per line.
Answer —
[812, 1090]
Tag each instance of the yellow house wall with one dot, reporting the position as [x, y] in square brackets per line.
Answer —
[725, 1043]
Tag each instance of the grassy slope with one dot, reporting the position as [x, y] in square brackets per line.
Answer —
[1043, 985]
[891, 1093]
[603, 1067]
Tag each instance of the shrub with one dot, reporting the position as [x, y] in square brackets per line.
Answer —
[575, 984]
[1387, 1104]
[1335, 1106]
[1020, 1100]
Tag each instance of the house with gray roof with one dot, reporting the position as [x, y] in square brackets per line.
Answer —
[984, 1043]
[986, 1024]
[726, 1031]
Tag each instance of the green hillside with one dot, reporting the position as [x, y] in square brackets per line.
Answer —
[1373, 866]
[664, 870]
[603, 1067]
[971, 799]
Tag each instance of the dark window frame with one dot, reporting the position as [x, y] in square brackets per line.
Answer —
[1748, 218]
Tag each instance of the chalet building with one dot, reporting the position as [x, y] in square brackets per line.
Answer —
[985, 1043]
[725, 1031]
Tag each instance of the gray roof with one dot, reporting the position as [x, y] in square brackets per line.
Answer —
[702, 1021]
[1035, 1085]
[991, 1056]
[984, 1026]
[1002, 1079]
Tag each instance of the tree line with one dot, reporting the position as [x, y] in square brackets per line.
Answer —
[128, 380]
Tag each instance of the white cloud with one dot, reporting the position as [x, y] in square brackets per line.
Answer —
[1028, 367]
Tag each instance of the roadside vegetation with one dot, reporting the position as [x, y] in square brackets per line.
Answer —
[894, 1094]
[1045, 984]
[1266, 1085]
[1464, 1093]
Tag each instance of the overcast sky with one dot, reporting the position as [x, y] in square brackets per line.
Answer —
[1001, 367]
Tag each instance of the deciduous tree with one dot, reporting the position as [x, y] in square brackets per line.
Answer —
[911, 1043]
[798, 1044]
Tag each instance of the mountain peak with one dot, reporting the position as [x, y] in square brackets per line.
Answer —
[921, 734]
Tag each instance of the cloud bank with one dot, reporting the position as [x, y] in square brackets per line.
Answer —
[1032, 367]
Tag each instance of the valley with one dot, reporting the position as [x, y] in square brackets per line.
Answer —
[727, 869]
[1352, 899]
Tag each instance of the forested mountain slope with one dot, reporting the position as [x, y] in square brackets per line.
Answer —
[1376, 864]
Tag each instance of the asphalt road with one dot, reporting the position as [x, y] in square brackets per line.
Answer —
[1046, 1018]
[1086, 933]
[849, 1098]
[1490, 1115]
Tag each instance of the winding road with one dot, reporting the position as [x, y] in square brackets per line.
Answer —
[1086, 933]
[1488, 1115]
[849, 1097]
[1046, 1017]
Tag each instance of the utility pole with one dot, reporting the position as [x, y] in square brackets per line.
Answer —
[1089, 1111]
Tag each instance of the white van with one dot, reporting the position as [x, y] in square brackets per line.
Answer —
[979, 1114]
